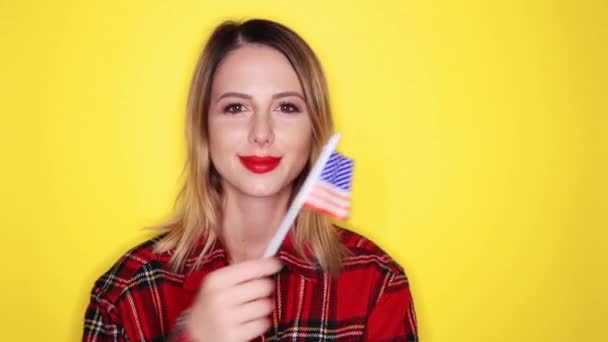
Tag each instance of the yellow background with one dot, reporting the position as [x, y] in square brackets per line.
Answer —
[479, 131]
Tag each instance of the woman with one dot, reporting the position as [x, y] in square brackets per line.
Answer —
[258, 115]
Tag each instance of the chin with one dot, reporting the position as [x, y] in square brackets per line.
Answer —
[262, 190]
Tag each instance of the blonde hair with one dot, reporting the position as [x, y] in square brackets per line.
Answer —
[198, 206]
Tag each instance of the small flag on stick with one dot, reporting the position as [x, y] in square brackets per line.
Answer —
[327, 189]
[330, 193]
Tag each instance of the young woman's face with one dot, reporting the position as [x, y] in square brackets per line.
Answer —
[260, 132]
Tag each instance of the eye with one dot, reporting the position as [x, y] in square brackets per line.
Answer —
[288, 107]
[233, 108]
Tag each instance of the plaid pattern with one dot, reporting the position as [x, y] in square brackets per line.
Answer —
[140, 299]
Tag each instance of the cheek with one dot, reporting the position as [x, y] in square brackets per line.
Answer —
[216, 142]
[303, 145]
[223, 134]
[300, 141]
[222, 142]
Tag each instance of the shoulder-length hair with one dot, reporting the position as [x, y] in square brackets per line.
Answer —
[197, 212]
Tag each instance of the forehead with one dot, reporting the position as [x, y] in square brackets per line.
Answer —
[256, 70]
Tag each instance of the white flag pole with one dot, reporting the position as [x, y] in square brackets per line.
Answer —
[300, 198]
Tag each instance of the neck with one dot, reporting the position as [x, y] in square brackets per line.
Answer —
[249, 223]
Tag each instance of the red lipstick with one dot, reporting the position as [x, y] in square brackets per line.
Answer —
[257, 164]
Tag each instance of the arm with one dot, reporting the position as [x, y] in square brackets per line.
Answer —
[130, 314]
[100, 322]
[180, 332]
[103, 324]
[393, 317]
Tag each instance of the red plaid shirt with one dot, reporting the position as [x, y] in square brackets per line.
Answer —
[141, 299]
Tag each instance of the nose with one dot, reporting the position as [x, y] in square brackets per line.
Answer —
[261, 132]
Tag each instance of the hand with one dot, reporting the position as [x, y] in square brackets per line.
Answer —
[233, 303]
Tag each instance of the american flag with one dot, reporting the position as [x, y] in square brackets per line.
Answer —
[331, 192]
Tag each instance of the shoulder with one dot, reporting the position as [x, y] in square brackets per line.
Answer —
[367, 255]
[140, 266]
[368, 273]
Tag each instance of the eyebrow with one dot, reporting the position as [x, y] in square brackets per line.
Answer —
[248, 97]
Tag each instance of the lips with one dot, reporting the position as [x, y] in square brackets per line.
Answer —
[260, 164]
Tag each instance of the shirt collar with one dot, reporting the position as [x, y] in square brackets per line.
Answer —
[305, 266]
[287, 254]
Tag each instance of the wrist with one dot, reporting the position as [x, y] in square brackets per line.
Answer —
[184, 331]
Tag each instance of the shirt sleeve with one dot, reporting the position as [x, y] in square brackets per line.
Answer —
[103, 324]
[179, 333]
[393, 318]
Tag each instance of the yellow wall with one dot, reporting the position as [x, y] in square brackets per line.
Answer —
[479, 132]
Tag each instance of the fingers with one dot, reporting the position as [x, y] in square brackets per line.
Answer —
[257, 309]
[252, 290]
[245, 271]
[252, 329]
[233, 303]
